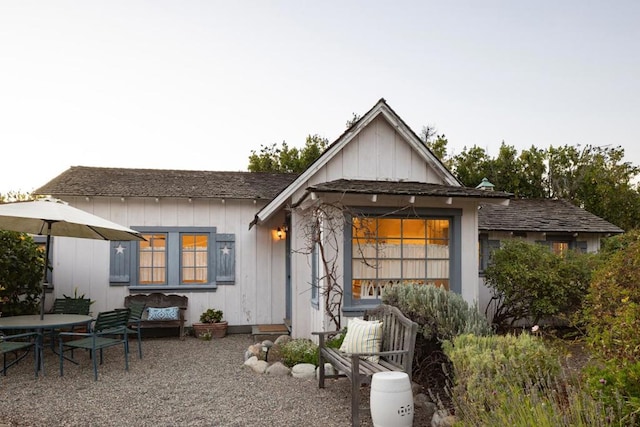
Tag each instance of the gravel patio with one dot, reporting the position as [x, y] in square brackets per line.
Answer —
[177, 383]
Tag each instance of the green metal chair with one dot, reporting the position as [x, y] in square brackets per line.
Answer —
[109, 330]
[19, 345]
[136, 310]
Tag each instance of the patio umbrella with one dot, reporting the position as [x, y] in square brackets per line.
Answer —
[50, 217]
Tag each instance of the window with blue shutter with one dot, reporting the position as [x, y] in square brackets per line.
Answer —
[174, 258]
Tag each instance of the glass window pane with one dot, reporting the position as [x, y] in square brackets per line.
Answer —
[438, 269]
[398, 250]
[194, 250]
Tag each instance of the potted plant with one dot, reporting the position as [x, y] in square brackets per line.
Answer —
[211, 325]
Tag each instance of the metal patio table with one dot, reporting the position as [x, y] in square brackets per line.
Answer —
[48, 321]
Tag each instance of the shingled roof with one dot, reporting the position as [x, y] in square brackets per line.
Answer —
[542, 215]
[347, 186]
[117, 182]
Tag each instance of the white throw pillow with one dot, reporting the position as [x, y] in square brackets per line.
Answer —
[363, 336]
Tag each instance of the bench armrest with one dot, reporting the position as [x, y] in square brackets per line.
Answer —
[323, 335]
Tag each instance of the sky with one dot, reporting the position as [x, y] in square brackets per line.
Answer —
[199, 85]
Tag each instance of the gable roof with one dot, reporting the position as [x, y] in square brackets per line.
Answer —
[542, 215]
[122, 182]
[381, 108]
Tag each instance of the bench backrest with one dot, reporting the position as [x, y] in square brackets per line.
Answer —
[158, 300]
[398, 333]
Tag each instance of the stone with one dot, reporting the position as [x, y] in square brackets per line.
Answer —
[304, 370]
[260, 366]
[442, 418]
[256, 349]
[251, 361]
[248, 355]
[328, 370]
[278, 370]
[282, 340]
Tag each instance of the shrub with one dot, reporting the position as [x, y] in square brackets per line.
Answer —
[484, 364]
[440, 315]
[299, 350]
[517, 380]
[21, 273]
[612, 313]
[617, 385]
[529, 281]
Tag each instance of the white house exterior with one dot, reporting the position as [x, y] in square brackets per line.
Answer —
[213, 236]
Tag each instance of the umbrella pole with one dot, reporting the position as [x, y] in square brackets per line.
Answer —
[46, 269]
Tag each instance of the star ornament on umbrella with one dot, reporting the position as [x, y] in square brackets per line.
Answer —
[52, 217]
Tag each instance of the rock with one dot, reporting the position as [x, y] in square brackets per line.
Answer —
[304, 370]
[421, 400]
[251, 361]
[256, 350]
[328, 370]
[442, 418]
[416, 388]
[282, 340]
[260, 366]
[278, 370]
[248, 355]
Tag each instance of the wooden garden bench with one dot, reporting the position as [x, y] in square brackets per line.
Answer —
[396, 354]
[160, 300]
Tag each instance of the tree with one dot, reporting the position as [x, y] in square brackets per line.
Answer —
[287, 160]
[21, 272]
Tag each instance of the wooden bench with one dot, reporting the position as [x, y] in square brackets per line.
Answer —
[396, 354]
[160, 300]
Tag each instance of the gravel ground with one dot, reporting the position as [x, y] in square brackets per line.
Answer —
[177, 383]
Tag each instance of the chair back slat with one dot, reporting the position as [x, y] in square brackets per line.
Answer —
[59, 305]
[108, 320]
[77, 306]
[136, 311]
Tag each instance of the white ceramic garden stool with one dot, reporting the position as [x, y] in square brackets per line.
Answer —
[391, 400]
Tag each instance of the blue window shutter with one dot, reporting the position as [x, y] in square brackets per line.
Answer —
[120, 262]
[225, 258]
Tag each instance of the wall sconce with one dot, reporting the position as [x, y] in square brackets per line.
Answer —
[279, 233]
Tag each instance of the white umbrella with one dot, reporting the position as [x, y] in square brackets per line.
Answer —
[55, 218]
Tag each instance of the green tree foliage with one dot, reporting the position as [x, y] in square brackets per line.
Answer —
[594, 178]
[21, 272]
[612, 312]
[284, 159]
[528, 281]
[597, 179]
[437, 144]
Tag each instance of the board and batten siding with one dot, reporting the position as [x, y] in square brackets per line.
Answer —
[378, 152]
[255, 297]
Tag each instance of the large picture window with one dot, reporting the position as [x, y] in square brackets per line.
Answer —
[398, 251]
[175, 257]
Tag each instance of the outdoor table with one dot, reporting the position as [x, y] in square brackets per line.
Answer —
[48, 321]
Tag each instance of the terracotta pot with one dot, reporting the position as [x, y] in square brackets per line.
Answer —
[217, 330]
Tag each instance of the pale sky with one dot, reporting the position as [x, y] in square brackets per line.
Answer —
[199, 84]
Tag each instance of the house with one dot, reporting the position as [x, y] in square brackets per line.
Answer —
[376, 208]
[557, 223]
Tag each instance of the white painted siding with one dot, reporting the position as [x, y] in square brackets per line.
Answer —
[378, 153]
[257, 296]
